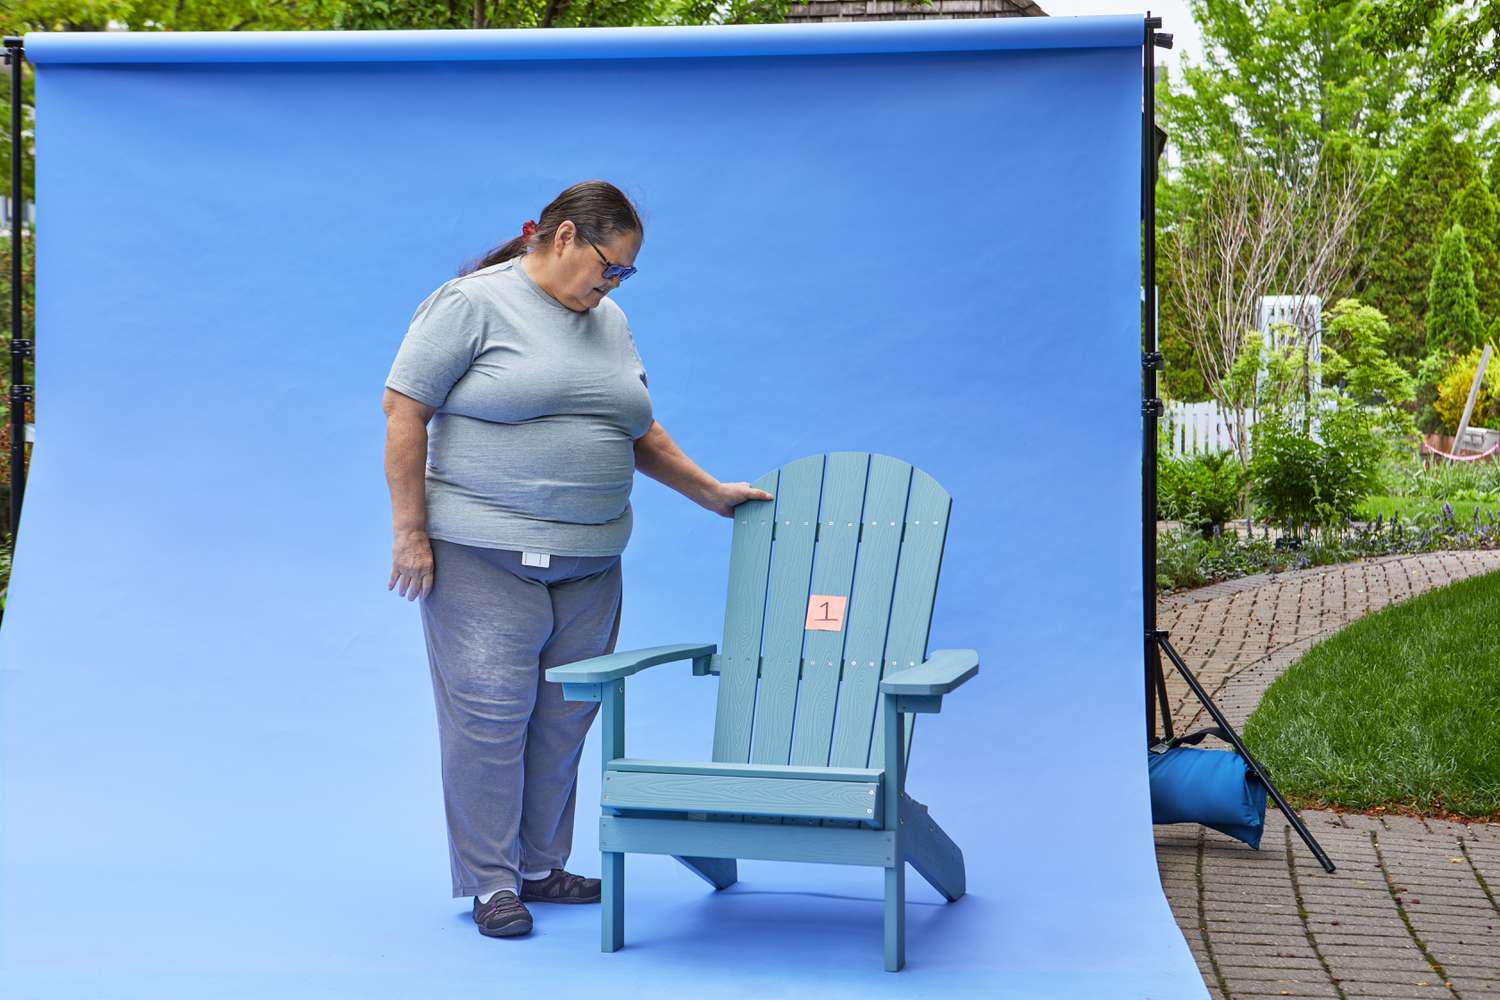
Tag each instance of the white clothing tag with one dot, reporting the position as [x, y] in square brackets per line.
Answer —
[541, 559]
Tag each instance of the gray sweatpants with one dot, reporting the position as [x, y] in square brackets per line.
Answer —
[510, 743]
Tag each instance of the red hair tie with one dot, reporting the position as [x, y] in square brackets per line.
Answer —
[528, 229]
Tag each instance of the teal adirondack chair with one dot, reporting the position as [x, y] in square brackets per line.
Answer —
[815, 701]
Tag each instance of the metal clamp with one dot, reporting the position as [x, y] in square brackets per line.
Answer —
[1152, 408]
[20, 393]
[1154, 361]
[22, 348]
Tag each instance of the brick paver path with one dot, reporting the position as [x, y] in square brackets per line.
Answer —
[1412, 910]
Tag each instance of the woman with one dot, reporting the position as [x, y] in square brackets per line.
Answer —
[509, 523]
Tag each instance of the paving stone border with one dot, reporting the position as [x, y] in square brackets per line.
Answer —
[1412, 910]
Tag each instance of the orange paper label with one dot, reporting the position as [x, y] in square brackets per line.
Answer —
[825, 612]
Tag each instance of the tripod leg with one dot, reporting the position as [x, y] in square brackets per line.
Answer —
[1239, 745]
[1161, 691]
[1150, 693]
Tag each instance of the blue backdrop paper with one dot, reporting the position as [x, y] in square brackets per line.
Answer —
[218, 741]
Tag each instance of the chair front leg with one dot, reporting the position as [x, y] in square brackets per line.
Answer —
[612, 866]
[895, 874]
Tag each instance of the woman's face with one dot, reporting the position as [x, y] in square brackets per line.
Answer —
[578, 276]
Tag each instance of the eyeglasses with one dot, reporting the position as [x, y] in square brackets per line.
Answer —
[611, 269]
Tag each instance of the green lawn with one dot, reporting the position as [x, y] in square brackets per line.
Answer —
[1463, 510]
[1400, 709]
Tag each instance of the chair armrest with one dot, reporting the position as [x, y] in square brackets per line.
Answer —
[614, 666]
[939, 674]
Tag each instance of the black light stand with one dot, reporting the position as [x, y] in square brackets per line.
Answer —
[1153, 140]
[20, 349]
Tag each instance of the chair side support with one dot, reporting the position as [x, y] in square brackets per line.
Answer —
[602, 679]
[918, 689]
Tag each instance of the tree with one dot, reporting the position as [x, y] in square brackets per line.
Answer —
[293, 15]
[1354, 355]
[1453, 322]
[1433, 171]
[1479, 213]
[28, 325]
[1462, 37]
[1259, 233]
[1290, 84]
[1286, 77]
[28, 118]
[1181, 378]
[175, 15]
[20, 16]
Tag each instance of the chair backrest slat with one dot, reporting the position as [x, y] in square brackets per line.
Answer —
[867, 527]
[744, 612]
[844, 479]
[870, 611]
[927, 512]
[786, 606]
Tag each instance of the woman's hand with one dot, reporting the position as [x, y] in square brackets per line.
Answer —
[723, 498]
[411, 564]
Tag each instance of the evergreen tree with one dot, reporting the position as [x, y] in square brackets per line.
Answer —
[1479, 213]
[1433, 171]
[1180, 379]
[1453, 322]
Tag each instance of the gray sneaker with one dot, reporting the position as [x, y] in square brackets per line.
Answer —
[503, 916]
[561, 887]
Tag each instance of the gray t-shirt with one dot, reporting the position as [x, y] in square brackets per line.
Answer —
[532, 444]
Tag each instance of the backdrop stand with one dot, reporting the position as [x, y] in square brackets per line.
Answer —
[1152, 141]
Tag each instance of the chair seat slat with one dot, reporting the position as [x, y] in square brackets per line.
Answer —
[778, 795]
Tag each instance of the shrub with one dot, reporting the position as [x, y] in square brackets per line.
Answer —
[1185, 559]
[1300, 482]
[1453, 391]
[1289, 478]
[1354, 354]
[1203, 492]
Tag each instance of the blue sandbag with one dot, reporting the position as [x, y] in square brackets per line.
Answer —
[1213, 787]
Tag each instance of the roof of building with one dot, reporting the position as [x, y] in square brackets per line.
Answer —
[901, 10]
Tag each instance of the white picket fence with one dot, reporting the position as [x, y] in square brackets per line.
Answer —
[28, 221]
[1196, 428]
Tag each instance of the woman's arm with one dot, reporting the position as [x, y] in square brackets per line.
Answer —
[405, 474]
[658, 456]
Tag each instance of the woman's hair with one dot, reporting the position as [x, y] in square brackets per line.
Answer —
[598, 209]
